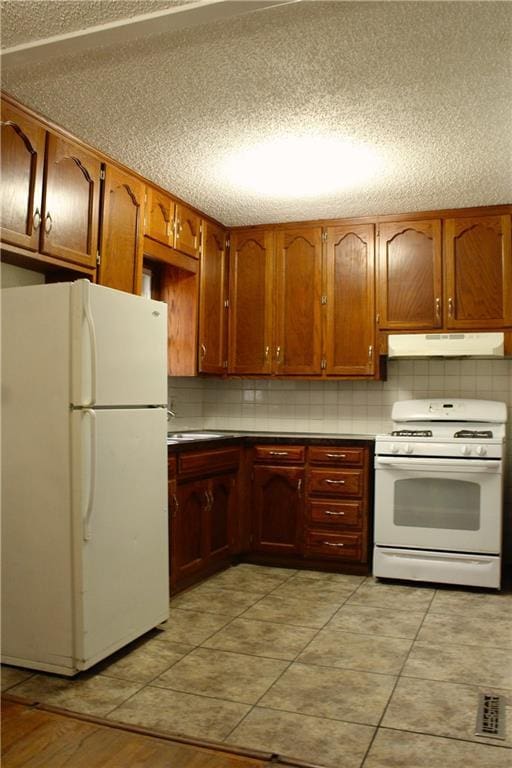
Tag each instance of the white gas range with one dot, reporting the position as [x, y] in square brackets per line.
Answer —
[439, 492]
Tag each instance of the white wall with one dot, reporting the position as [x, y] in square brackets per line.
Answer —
[12, 276]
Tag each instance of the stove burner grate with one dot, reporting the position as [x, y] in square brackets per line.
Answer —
[473, 433]
[412, 433]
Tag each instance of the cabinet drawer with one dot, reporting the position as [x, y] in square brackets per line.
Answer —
[332, 482]
[205, 462]
[280, 454]
[346, 546]
[337, 456]
[338, 513]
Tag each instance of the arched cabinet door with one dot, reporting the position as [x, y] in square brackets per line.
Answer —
[69, 227]
[213, 308]
[22, 160]
[478, 272]
[122, 232]
[277, 509]
[409, 275]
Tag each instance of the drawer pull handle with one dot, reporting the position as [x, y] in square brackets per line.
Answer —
[330, 544]
[335, 514]
[335, 482]
[278, 453]
[336, 455]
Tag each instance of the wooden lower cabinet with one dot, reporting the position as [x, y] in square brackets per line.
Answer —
[277, 509]
[202, 509]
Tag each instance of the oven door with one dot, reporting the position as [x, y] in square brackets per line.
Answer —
[438, 503]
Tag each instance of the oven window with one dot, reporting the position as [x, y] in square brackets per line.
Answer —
[437, 503]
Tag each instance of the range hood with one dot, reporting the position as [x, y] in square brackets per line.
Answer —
[445, 345]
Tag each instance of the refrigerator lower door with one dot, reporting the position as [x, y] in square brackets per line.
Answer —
[119, 348]
[121, 528]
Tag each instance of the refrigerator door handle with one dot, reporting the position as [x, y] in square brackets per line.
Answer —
[92, 337]
[92, 476]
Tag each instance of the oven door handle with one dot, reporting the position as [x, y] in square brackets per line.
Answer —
[468, 465]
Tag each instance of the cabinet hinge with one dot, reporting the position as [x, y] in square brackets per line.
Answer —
[225, 364]
[323, 300]
[377, 319]
[226, 303]
[102, 174]
[323, 364]
[324, 235]
[228, 242]
[145, 197]
[98, 258]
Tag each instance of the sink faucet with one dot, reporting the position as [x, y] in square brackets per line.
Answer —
[170, 412]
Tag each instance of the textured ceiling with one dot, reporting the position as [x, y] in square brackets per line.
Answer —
[427, 85]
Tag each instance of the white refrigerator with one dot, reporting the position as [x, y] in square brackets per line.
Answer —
[84, 473]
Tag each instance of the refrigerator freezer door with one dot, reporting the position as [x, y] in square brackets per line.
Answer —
[119, 348]
[121, 527]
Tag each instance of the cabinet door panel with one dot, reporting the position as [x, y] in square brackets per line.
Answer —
[297, 304]
[222, 496]
[278, 508]
[69, 229]
[478, 272]
[22, 158]
[350, 338]
[250, 280]
[409, 279]
[213, 294]
[189, 530]
[187, 231]
[122, 238]
[159, 218]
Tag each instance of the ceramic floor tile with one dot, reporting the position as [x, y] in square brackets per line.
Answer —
[376, 621]
[347, 579]
[144, 662]
[440, 709]
[332, 593]
[393, 596]
[210, 599]
[13, 675]
[399, 749]
[348, 650]
[339, 694]
[224, 675]
[465, 629]
[472, 664]
[295, 611]
[242, 578]
[190, 627]
[181, 713]
[329, 743]
[483, 605]
[90, 694]
[261, 638]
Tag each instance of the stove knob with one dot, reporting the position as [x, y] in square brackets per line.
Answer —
[408, 448]
[394, 448]
[465, 450]
[481, 450]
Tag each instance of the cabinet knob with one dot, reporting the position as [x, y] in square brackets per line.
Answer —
[278, 354]
[36, 219]
[450, 307]
[48, 223]
[203, 350]
[438, 308]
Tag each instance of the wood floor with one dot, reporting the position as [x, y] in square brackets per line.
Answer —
[36, 738]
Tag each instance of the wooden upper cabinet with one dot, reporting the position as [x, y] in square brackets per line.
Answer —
[250, 297]
[159, 217]
[69, 227]
[122, 232]
[350, 330]
[409, 275]
[213, 301]
[298, 288]
[187, 231]
[22, 158]
[478, 272]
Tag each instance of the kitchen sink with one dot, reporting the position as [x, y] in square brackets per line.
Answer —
[179, 436]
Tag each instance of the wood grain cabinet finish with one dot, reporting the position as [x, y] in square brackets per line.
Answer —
[213, 301]
[22, 162]
[122, 232]
[251, 302]
[350, 326]
[478, 272]
[409, 280]
[171, 223]
[277, 497]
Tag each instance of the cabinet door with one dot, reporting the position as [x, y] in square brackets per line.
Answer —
[189, 543]
[478, 272]
[159, 216]
[409, 276]
[298, 281]
[350, 328]
[22, 158]
[212, 297]
[187, 231]
[122, 233]
[69, 229]
[278, 509]
[220, 515]
[250, 297]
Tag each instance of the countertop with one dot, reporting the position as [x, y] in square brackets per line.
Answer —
[290, 438]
